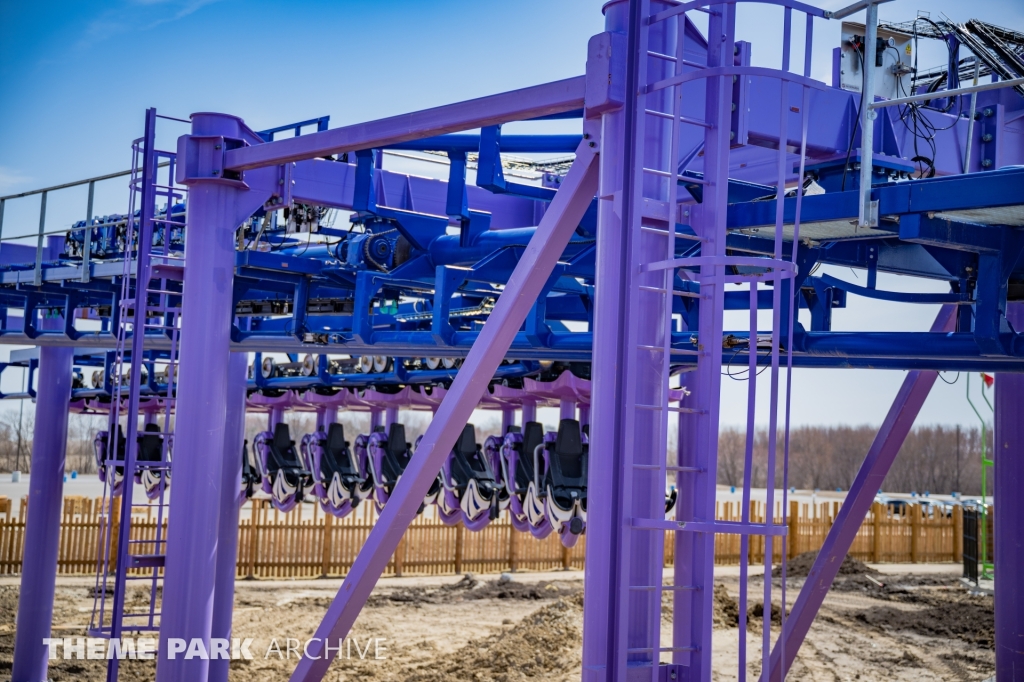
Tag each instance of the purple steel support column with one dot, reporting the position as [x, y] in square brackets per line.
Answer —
[566, 409]
[275, 417]
[330, 416]
[215, 209]
[227, 534]
[42, 527]
[376, 415]
[1009, 532]
[887, 444]
[508, 418]
[529, 411]
[390, 416]
[683, 600]
[603, 534]
[584, 414]
[523, 288]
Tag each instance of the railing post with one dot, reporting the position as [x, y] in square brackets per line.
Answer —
[87, 237]
[868, 217]
[38, 277]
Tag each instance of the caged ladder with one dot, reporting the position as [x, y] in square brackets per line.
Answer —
[682, 116]
[149, 311]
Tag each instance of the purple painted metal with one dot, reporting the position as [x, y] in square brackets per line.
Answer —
[216, 208]
[42, 527]
[529, 411]
[376, 418]
[584, 410]
[606, 64]
[227, 534]
[566, 409]
[525, 284]
[275, 417]
[683, 601]
[390, 416]
[887, 443]
[538, 100]
[1008, 453]
[508, 418]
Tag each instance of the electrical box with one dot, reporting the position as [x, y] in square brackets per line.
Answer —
[892, 56]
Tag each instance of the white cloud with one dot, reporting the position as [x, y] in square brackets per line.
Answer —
[138, 15]
[12, 180]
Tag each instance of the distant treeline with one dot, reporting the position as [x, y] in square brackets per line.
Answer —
[936, 459]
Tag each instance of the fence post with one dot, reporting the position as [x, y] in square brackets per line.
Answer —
[958, 533]
[915, 529]
[325, 555]
[254, 537]
[115, 530]
[400, 554]
[794, 529]
[459, 530]
[876, 538]
[513, 549]
[566, 558]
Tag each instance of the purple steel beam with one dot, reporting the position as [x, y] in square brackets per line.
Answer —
[42, 527]
[603, 533]
[886, 446]
[216, 208]
[523, 288]
[275, 417]
[376, 418]
[529, 411]
[508, 418]
[566, 409]
[517, 105]
[390, 416]
[1008, 454]
[227, 534]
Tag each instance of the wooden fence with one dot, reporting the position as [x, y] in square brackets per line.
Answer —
[309, 543]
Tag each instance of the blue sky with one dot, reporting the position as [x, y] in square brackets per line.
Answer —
[75, 78]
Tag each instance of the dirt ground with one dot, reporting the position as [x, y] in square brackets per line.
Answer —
[891, 626]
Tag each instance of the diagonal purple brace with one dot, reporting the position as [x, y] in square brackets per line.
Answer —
[879, 459]
[523, 288]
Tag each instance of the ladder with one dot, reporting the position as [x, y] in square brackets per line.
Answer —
[149, 311]
[681, 124]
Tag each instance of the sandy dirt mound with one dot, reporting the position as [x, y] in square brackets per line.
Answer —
[544, 645]
[800, 566]
[469, 588]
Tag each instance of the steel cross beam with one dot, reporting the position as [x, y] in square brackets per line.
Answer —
[517, 105]
[887, 444]
[523, 288]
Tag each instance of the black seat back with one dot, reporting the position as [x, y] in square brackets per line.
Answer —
[282, 450]
[533, 435]
[336, 454]
[151, 444]
[568, 456]
[396, 453]
[468, 461]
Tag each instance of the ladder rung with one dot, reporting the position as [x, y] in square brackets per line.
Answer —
[678, 235]
[675, 292]
[715, 527]
[670, 408]
[682, 119]
[657, 467]
[661, 649]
